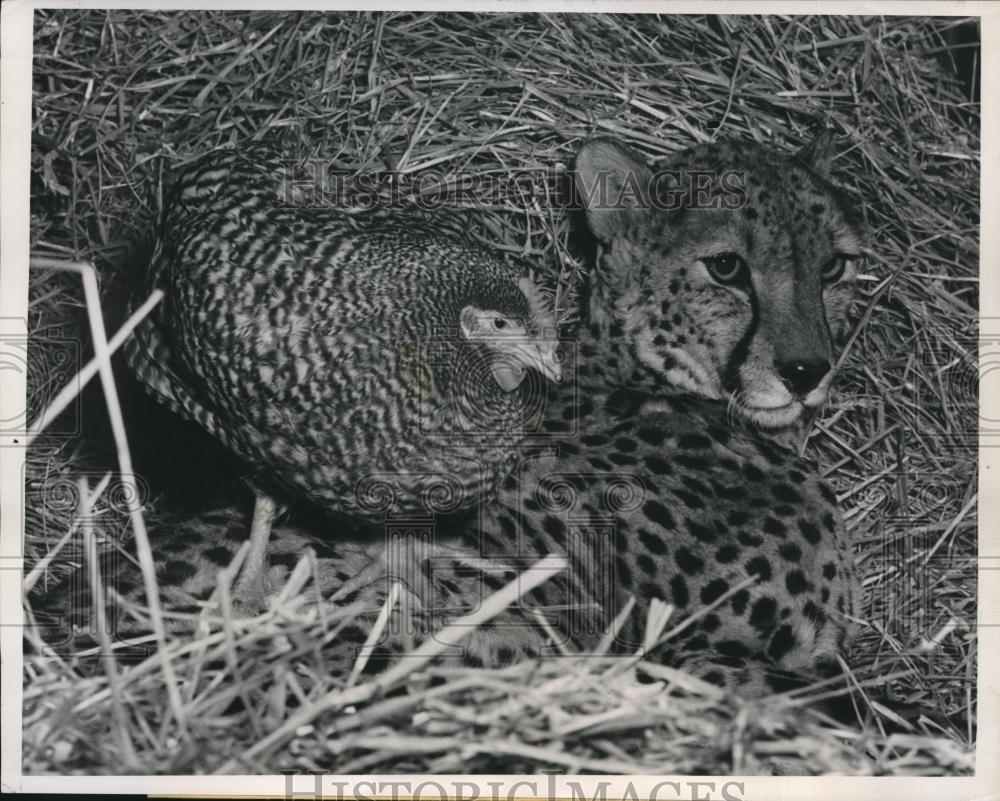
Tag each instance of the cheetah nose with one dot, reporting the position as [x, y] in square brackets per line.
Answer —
[802, 377]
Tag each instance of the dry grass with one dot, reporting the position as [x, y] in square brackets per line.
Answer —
[120, 95]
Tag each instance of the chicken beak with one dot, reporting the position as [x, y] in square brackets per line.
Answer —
[546, 359]
[509, 370]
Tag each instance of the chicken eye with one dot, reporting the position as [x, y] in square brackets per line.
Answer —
[726, 268]
[834, 269]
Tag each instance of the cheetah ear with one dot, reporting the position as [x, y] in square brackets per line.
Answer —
[818, 154]
[613, 183]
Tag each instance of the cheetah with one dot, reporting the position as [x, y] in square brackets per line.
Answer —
[664, 471]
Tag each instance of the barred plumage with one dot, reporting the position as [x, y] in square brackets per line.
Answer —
[366, 364]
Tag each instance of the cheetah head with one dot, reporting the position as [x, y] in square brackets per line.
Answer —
[728, 272]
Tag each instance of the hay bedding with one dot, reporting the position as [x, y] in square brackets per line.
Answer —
[121, 94]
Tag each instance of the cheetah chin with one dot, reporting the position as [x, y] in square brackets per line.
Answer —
[771, 411]
[772, 417]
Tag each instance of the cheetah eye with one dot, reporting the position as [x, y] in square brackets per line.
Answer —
[726, 268]
[499, 323]
[834, 269]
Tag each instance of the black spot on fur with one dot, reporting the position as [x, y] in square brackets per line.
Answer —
[828, 523]
[753, 472]
[652, 542]
[763, 613]
[696, 486]
[690, 499]
[782, 642]
[796, 582]
[739, 602]
[592, 440]
[721, 435]
[809, 531]
[690, 442]
[646, 564]
[700, 532]
[565, 449]
[649, 589]
[813, 612]
[715, 677]
[688, 562]
[730, 493]
[737, 517]
[827, 493]
[774, 527]
[507, 524]
[829, 571]
[749, 540]
[493, 582]
[710, 622]
[790, 551]
[654, 436]
[692, 461]
[713, 590]
[786, 494]
[733, 648]
[353, 635]
[505, 654]
[761, 567]
[657, 513]
[773, 455]
[658, 465]
[679, 590]
[553, 526]
[727, 554]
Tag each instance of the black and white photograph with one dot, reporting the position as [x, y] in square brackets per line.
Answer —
[497, 392]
